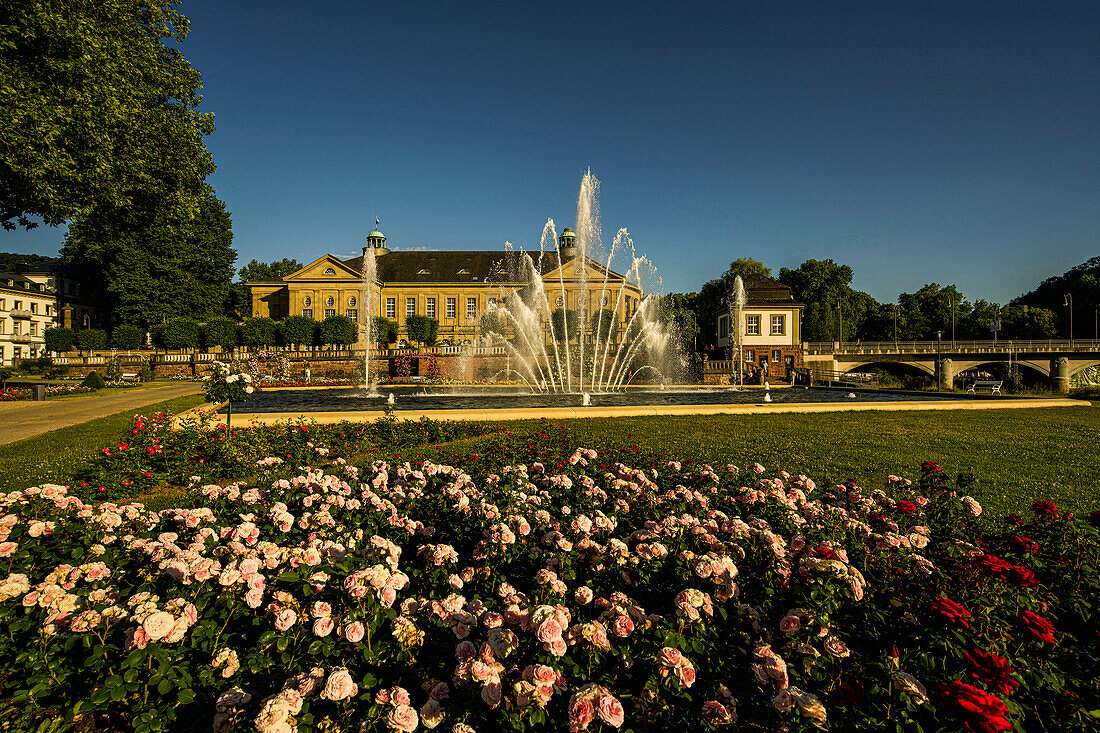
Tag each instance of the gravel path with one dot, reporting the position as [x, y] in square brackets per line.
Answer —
[21, 420]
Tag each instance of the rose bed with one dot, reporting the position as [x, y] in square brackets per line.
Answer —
[584, 595]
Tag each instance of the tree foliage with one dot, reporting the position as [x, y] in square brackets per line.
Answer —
[178, 333]
[59, 340]
[714, 294]
[99, 109]
[91, 339]
[1082, 284]
[384, 331]
[260, 331]
[422, 329]
[298, 330]
[139, 270]
[564, 324]
[256, 271]
[222, 332]
[338, 330]
[604, 323]
[127, 337]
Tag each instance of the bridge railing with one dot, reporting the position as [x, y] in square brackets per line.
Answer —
[830, 376]
[946, 346]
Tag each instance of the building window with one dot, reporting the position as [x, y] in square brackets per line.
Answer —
[34, 328]
[723, 327]
[429, 309]
[351, 301]
[330, 312]
[330, 302]
[353, 314]
[750, 355]
[777, 325]
[3, 304]
[307, 302]
[391, 308]
[752, 325]
[17, 305]
[49, 309]
[330, 271]
[410, 306]
[471, 307]
[16, 327]
[561, 301]
[1, 325]
[777, 356]
[307, 312]
[451, 306]
[34, 307]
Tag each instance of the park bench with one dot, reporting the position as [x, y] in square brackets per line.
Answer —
[993, 385]
[128, 377]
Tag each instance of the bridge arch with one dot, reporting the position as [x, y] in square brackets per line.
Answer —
[1001, 367]
[904, 368]
[1076, 367]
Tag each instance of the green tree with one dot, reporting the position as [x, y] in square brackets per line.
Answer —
[680, 309]
[261, 331]
[1025, 322]
[563, 324]
[823, 285]
[59, 340]
[604, 324]
[384, 331]
[339, 330]
[143, 270]
[127, 337]
[422, 329]
[98, 108]
[91, 339]
[929, 310]
[221, 332]
[178, 333]
[714, 294]
[298, 330]
[1082, 284]
[256, 271]
[494, 323]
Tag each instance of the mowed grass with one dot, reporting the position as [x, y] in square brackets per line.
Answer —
[1018, 456]
[56, 455]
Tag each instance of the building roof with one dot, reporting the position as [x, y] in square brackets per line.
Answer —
[461, 266]
[14, 281]
[765, 292]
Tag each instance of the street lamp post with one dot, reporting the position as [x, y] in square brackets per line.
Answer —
[841, 311]
[1069, 301]
[939, 361]
[952, 319]
[895, 327]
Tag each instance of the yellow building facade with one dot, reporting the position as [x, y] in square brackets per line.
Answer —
[453, 287]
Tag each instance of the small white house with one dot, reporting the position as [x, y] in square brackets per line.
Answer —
[770, 330]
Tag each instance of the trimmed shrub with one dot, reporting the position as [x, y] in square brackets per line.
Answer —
[59, 340]
[339, 330]
[222, 332]
[91, 339]
[261, 331]
[422, 329]
[93, 381]
[127, 337]
[146, 373]
[298, 330]
[180, 333]
[385, 331]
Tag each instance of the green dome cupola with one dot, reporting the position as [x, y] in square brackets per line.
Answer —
[376, 240]
[567, 242]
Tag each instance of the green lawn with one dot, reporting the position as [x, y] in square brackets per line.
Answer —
[1018, 456]
[54, 456]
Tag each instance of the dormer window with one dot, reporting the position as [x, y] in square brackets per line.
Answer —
[330, 271]
[424, 272]
[463, 271]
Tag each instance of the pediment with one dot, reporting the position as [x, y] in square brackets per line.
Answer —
[327, 267]
[571, 271]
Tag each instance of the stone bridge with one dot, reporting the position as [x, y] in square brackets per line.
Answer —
[1057, 360]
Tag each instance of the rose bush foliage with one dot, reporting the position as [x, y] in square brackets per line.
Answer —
[581, 591]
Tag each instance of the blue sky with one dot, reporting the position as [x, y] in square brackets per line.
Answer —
[917, 142]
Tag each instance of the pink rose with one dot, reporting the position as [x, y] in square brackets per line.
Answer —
[323, 626]
[549, 631]
[491, 691]
[622, 626]
[836, 647]
[686, 674]
[403, 718]
[339, 685]
[285, 618]
[583, 595]
[581, 713]
[158, 625]
[610, 710]
[790, 624]
[440, 692]
[669, 657]
[353, 632]
[544, 674]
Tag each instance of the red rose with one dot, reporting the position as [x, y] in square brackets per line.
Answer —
[1025, 544]
[991, 564]
[993, 670]
[951, 611]
[907, 506]
[979, 711]
[1020, 576]
[929, 467]
[1014, 519]
[1045, 508]
[1039, 627]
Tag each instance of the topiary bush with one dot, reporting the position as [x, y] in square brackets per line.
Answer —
[223, 332]
[93, 381]
[91, 339]
[339, 331]
[260, 331]
[127, 337]
[298, 331]
[59, 340]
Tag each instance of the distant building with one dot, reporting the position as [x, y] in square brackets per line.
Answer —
[27, 308]
[71, 309]
[770, 329]
[455, 287]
